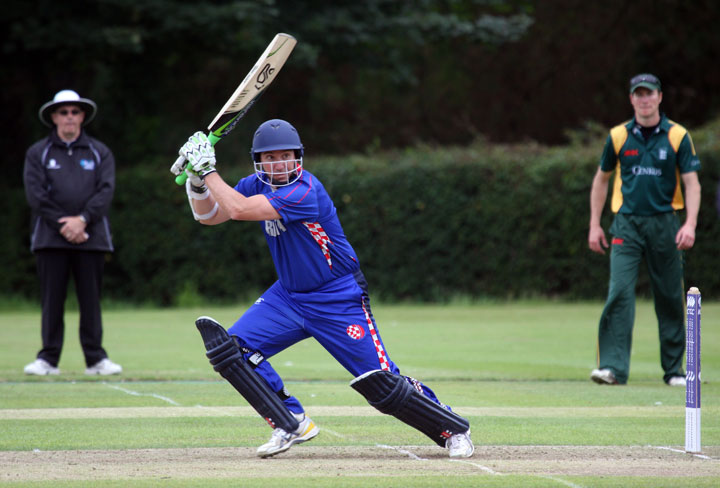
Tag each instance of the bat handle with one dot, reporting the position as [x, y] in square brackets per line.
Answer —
[182, 177]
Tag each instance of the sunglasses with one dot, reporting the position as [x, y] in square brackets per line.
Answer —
[65, 111]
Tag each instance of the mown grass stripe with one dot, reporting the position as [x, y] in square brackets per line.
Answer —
[335, 411]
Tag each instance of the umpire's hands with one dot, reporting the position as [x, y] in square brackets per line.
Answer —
[73, 229]
[200, 154]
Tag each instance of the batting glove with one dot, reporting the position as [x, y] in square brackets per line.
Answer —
[196, 183]
[200, 155]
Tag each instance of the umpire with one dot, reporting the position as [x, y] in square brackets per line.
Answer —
[69, 182]
[650, 156]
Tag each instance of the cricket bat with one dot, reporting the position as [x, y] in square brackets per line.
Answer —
[253, 85]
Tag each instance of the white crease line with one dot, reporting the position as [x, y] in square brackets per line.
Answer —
[381, 446]
[135, 393]
[215, 410]
[561, 481]
[701, 456]
[336, 434]
[401, 451]
[484, 468]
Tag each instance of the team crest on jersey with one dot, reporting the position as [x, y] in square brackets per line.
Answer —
[53, 164]
[274, 227]
[662, 154]
[355, 331]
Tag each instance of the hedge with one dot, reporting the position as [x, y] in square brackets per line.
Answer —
[429, 224]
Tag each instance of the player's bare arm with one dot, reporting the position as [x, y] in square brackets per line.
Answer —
[212, 200]
[236, 206]
[685, 238]
[598, 194]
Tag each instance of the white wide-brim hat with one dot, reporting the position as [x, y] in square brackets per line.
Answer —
[65, 97]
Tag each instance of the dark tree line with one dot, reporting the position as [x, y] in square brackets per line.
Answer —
[365, 75]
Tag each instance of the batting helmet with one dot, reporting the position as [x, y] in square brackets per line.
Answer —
[273, 135]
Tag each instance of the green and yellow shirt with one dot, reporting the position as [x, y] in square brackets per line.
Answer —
[647, 176]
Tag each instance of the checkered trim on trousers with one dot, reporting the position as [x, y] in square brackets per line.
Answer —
[382, 357]
[321, 238]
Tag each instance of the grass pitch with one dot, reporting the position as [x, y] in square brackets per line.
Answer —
[519, 371]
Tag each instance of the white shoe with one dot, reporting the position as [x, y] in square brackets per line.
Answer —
[280, 441]
[460, 445]
[603, 377]
[41, 367]
[104, 367]
[677, 381]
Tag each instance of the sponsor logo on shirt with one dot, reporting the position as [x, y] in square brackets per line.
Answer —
[617, 241]
[646, 171]
[87, 164]
[631, 152]
[53, 164]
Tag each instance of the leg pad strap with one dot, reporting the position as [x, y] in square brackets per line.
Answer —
[227, 359]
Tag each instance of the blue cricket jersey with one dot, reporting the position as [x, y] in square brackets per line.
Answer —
[308, 245]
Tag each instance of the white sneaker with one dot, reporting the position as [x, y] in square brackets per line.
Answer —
[460, 445]
[603, 377]
[280, 441]
[41, 367]
[677, 381]
[104, 367]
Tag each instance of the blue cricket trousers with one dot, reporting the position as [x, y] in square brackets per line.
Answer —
[337, 315]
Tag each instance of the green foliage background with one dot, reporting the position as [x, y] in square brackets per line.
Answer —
[428, 223]
[425, 112]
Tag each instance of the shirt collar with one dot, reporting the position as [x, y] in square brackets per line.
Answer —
[80, 141]
[663, 125]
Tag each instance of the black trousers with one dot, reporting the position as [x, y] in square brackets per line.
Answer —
[54, 268]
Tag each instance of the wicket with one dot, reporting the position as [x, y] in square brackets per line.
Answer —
[692, 392]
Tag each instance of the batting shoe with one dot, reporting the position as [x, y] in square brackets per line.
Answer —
[281, 441]
[40, 367]
[460, 445]
[104, 367]
[677, 381]
[603, 377]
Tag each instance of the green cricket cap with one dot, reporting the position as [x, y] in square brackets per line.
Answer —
[651, 82]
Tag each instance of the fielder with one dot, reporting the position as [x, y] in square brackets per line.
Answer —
[650, 156]
[320, 293]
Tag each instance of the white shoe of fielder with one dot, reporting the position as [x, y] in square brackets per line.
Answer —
[40, 367]
[104, 367]
[460, 445]
[280, 441]
[603, 377]
[677, 381]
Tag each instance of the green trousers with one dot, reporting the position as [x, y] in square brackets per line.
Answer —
[652, 239]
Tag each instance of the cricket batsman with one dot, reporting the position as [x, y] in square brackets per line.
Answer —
[320, 293]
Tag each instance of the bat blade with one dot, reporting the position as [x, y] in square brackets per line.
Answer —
[262, 74]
